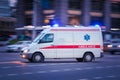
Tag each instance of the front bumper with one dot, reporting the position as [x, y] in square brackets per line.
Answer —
[12, 50]
[26, 56]
[113, 50]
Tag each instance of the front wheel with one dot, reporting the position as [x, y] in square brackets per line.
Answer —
[37, 57]
[88, 57]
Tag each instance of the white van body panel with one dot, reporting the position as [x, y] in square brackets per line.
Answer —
[69, 42]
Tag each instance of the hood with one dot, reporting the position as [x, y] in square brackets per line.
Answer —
[15, 45]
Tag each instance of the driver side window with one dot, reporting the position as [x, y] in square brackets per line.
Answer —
[47, 38]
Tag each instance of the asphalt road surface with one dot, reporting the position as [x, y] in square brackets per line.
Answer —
[12, 67]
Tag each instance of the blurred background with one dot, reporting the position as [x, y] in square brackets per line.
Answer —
[19, 18]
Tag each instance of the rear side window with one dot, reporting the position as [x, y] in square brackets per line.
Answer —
[47, 38]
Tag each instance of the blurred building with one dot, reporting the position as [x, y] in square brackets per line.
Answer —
[7, 21]
[105, 13]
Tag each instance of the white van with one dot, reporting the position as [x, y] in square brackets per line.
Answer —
[81, 43]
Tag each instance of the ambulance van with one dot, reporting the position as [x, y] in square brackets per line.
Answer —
[82, 43]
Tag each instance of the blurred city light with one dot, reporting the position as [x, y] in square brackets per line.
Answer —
[115, 29]
[12, 3]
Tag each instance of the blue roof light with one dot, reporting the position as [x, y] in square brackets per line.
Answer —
[55, 25]
[97, 25]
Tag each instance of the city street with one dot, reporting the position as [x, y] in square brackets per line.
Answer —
[12, 67]
[59, 29]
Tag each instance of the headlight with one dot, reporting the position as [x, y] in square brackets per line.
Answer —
[109, 46]
[119, 46]
[23, 56]
[25, 51]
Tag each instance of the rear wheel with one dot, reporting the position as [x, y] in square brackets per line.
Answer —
[88, 57]
[37, 57]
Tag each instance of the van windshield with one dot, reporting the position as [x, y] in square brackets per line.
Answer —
[38, 38]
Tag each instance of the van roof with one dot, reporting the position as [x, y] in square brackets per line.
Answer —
[72, 29]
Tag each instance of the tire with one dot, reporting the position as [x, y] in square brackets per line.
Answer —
[79, 59]
[37, 57]
[112, 52]
[88, 57]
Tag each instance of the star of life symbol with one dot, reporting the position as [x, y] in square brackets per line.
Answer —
[86, 37]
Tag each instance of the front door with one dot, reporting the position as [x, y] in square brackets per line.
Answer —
[47, 47]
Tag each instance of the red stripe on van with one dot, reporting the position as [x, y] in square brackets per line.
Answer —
[70, 46]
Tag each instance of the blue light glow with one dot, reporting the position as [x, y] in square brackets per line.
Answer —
[55, 25]
[97, 25]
